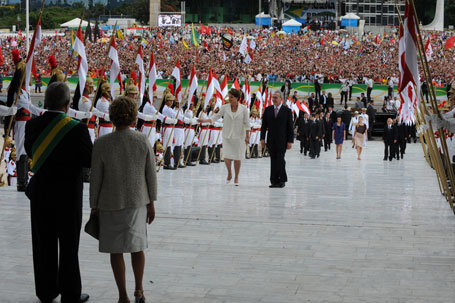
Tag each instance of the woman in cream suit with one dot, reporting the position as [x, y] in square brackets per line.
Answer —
[236, 132]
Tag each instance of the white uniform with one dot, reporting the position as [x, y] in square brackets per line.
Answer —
[189, 128]
[203, 134]
[255, 134]
[11, 168]
[215, 132]
[149, 127]
[7, 111]
[105, 126]
[25, 109]
[167, 127]
[353, 124]
[85, 105]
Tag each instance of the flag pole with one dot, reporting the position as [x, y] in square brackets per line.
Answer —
[19, 91]
[69, 55]
[102, 70]
[432, 146]
[427, 75]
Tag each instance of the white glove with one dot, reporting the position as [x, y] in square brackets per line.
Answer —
[100, 114]
[12, 110]
[187, 120]
[194, 121]
[146, 117]
[84, 115]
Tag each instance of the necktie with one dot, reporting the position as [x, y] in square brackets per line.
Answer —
[276, 111]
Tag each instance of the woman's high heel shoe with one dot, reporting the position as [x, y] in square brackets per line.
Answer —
[228, 181]
[139, 296]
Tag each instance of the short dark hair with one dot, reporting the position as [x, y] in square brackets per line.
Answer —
[57, 96]
[123, 111]
[235, 92]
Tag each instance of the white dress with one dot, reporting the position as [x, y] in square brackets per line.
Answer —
[235, 126]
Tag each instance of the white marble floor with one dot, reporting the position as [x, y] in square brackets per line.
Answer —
[340, 231]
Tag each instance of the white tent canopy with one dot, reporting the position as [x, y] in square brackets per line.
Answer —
[74, 23]
[292, 22]
[262, 15]
[350, 16]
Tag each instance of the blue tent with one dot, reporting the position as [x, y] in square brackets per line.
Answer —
[263, 19]
[291, 26]
[351, 20]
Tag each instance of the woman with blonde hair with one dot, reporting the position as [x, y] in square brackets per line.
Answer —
[123, 189]
[359, 136]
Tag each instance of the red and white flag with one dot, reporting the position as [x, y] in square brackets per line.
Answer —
[193, 85]
[115, 67]
[224, 87]
[409, 85]
[217, 87]
[29, 63]
[152, 77]
[235, 84]
[178, 83]
[303, 107]
[82, 68]
[140, 63]
[210, 89]
[429, 50]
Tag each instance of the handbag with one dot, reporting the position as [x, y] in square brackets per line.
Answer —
[93, 226]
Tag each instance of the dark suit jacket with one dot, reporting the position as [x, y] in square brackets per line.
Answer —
[333, 116]
[389, 134]
[402, 131]
[371, 114]
[315, 130]
[280, 130]
[303, 128]
[60, 176]
[329, 102]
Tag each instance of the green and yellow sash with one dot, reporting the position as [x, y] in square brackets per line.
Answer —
[50, 138]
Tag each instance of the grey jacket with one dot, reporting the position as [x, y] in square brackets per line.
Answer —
[123, 171]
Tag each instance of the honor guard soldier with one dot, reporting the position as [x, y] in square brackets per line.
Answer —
[85, 105]
[24, 110]
[215, 138]
[255, 133]
[102, 105]
[203, 136]
[190, 132]
[149, 127]
[168, 130]
[11, 169]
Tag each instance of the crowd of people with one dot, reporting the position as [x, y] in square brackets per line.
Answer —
[330, 56]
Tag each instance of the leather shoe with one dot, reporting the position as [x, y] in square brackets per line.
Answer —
[190, 164]
[203, 162]
[84, 298]
[274, 186]
[281, 185]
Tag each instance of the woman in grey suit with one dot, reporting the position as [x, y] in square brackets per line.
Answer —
[123, 190]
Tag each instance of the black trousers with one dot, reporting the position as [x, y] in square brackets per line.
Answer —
[327, 142]
[277, 166]
[305, 145]
[344, 95]
[350, 93]
[369, 89]
[315, 147]
[56, 227]
[388, 150]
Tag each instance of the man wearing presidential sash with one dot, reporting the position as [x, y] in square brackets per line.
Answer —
[59, 147]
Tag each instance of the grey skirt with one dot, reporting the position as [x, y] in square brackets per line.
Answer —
[123, 231]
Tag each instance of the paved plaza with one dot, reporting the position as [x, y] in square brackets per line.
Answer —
[340, 231]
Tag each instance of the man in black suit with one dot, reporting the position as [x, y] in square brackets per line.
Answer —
[303, 133]
[371, 118]
[390, 139]
[363, 99]
[402, 137]
[277, 123]
[55, 193]
[346, 116]
[315, 136]
[313, 103]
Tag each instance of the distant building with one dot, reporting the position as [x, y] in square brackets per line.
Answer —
[375, 12]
